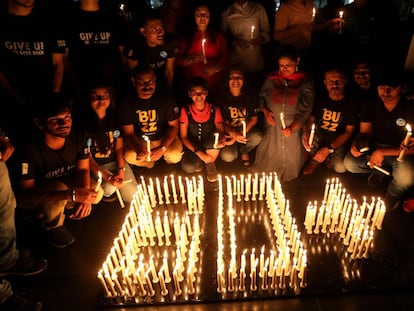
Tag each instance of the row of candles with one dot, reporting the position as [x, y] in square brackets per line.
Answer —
[277, 270]
[127, 272]
[339, 213]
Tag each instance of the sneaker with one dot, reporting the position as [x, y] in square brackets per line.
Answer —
[212, 174]
[374, 179]
[60, 237]
[391, 202]
[26, 265]
[18, 303]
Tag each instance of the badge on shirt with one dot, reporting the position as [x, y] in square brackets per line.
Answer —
[401, 122]
[117, 133]
[163, 54]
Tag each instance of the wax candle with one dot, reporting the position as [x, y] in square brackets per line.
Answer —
[406, 142]
[244, 128]
[282, 120]
[177, 286]
[313, 14]
[216, 139]
[341, 15]
[261, 261]
[98, 184]
[311, 135]
[174, 189]
[164, 290]
[252, 32]
[203, 50]
[148, 141]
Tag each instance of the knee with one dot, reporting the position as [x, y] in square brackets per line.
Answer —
[173, 157]
[228, 154]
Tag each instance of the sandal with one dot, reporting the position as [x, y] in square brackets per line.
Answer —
[245, 160]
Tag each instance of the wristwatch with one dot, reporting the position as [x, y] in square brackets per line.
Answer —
[331, 149]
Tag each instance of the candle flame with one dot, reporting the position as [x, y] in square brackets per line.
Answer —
[408, 127]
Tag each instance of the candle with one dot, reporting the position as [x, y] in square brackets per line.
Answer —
[341, 15]
[174, 189]
[98, 184]
[118, 194]
[167, 231]
[252, 32]
[311, 136]
[216, 138]
[166, 191]
[406, 142]
[145, 137]
[380, 169]
[313, 13]
[261, 262]
[244, 128]
[164, 290]
[203, 50]
[282, 120]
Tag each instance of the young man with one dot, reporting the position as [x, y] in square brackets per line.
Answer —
[155, 48]
[55, 173]
[383, 127]
[334, 118]
[149, 119]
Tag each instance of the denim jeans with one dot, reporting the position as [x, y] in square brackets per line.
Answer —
[8, 251]
[128, 190]
[402, 172]
[230, 153]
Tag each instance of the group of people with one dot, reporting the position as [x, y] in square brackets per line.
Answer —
[119, 90]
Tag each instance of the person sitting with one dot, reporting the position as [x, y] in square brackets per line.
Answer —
[106, 144]
[240, 107]
[201, 131]
[334, 119]
[149, 119]
[13, 261]
[383, 126]
[55, 172]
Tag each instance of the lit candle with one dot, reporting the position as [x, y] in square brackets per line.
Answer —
[261, 262]
[146, 138]
[252, 32]
[244, 128]
[159, 192]
[174, 189]
[203, 50]
[164, 290]
[166, 191]
[253, 282]
[120, 200]
[341, 15]
[311, 135]
[98, 184]
[406, 142]
[216, 138]
[167, 231]
[313, 13]
[282, 120]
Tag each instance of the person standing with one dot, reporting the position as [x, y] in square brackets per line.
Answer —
[246, 27]
[32, 49]
[334, 117]
[286, 102]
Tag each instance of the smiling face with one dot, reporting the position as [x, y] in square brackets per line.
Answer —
[198, 95]
[236, 80]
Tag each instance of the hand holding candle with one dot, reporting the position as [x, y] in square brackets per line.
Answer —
[216, 139]
[311, 135]
[405, 144]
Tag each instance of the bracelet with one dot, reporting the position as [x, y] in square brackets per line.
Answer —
[110, 177]
[73, 195]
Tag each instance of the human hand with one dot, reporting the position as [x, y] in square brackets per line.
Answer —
[269, 117]
[376, 159]
[82, 210]
[286, 131]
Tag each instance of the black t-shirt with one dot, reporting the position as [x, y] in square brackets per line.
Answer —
[388, 126]
[26, 45]
[333, 116]
[150, 116]
[40, 162]
[236, 109]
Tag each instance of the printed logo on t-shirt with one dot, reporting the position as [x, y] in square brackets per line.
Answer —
[330, 120]
[401, 122]
[163, 54]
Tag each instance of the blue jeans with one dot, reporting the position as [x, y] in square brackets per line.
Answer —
[128, 190]
[230, 153]
[8, 251]
[402, 172]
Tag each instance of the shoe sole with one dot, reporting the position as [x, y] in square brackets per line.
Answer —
[5, 273]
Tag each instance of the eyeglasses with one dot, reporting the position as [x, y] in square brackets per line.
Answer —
[201, 93]
[198, 14]
[99, 97]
